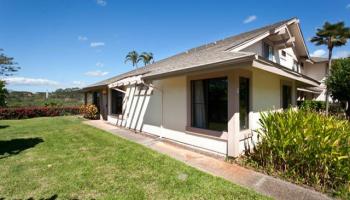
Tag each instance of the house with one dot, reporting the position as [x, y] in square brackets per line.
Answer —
[210, 97]
[316, 69]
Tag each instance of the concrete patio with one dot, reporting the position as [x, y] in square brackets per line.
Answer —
[270, 186]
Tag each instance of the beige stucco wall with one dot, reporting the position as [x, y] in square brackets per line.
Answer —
[162, 110]
[266, 96]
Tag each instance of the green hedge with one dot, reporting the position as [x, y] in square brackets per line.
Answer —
[305, 147]
[313, 105]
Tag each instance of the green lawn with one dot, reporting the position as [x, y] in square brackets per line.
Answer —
[61, 157]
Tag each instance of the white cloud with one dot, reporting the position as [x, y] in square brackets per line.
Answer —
[250, 19]
[30, 81]
[82, 38]
[97, 44]
[96, 73]
[101, 2]
[318, 53]
[341, 54]
[348, 6]
[99, 64]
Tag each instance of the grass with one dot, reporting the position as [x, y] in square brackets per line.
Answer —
[62, 158]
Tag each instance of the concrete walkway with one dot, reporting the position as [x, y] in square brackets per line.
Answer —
[270, 186]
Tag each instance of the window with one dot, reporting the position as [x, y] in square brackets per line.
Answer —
[268, 51]
[284, 54]
[209, 104]
[117, 98]
[244, 103]
[295, 66]
[286, 96]
[96, 100]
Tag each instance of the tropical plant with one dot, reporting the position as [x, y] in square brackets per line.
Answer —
[331, 35]
[89, 111]
[146, 58]
[339, 82]
[132, 57]
[305, 147]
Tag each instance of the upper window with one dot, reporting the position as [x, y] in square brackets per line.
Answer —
[209, 104]
[117, 98]
[284, 53]
[286, 96]
[244, 103]
[268, 51]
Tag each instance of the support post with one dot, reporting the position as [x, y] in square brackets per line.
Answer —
[233, 115]
[85, 98]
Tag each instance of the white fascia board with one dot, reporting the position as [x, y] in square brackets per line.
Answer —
[292, 75]
[250, 42]
[262, 36]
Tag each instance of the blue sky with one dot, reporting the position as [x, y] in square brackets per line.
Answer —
[68, 43]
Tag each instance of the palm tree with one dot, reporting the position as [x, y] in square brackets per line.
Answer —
[146, 58]
[132, 57]
[331, 35]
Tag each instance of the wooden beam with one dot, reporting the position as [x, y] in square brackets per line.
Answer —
[119, 90]
[282, 42]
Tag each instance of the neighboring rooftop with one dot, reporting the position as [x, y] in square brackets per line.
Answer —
[319, 59]
[210, 53]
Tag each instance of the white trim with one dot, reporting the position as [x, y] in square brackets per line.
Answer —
[270, 68]
[250, 42]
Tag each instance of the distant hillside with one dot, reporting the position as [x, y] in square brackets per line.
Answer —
[60, 97]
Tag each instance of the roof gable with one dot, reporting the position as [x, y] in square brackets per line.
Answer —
[286, 35]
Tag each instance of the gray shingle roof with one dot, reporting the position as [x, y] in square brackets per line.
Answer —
[203, 55]
[319, 59]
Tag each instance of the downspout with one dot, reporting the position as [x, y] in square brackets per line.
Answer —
[161, 104]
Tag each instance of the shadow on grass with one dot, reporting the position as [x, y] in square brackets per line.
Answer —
[4, 126]
[16, 146]
[53, 197]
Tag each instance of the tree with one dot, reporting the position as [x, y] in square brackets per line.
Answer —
[146, 58]
[3, 94]
[331, 35]
[132, 57]
[7, 68]
[7, 65]
[339, 82]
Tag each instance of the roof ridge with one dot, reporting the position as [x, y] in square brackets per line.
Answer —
[243, 33]
[220, 44]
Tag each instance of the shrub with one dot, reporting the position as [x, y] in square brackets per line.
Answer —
[306, 147]
[23, 113]
[313, 105]
[89, 111]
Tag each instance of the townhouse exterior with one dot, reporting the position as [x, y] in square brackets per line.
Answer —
[210, 97]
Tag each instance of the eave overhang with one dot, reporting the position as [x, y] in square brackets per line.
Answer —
[263, 64]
